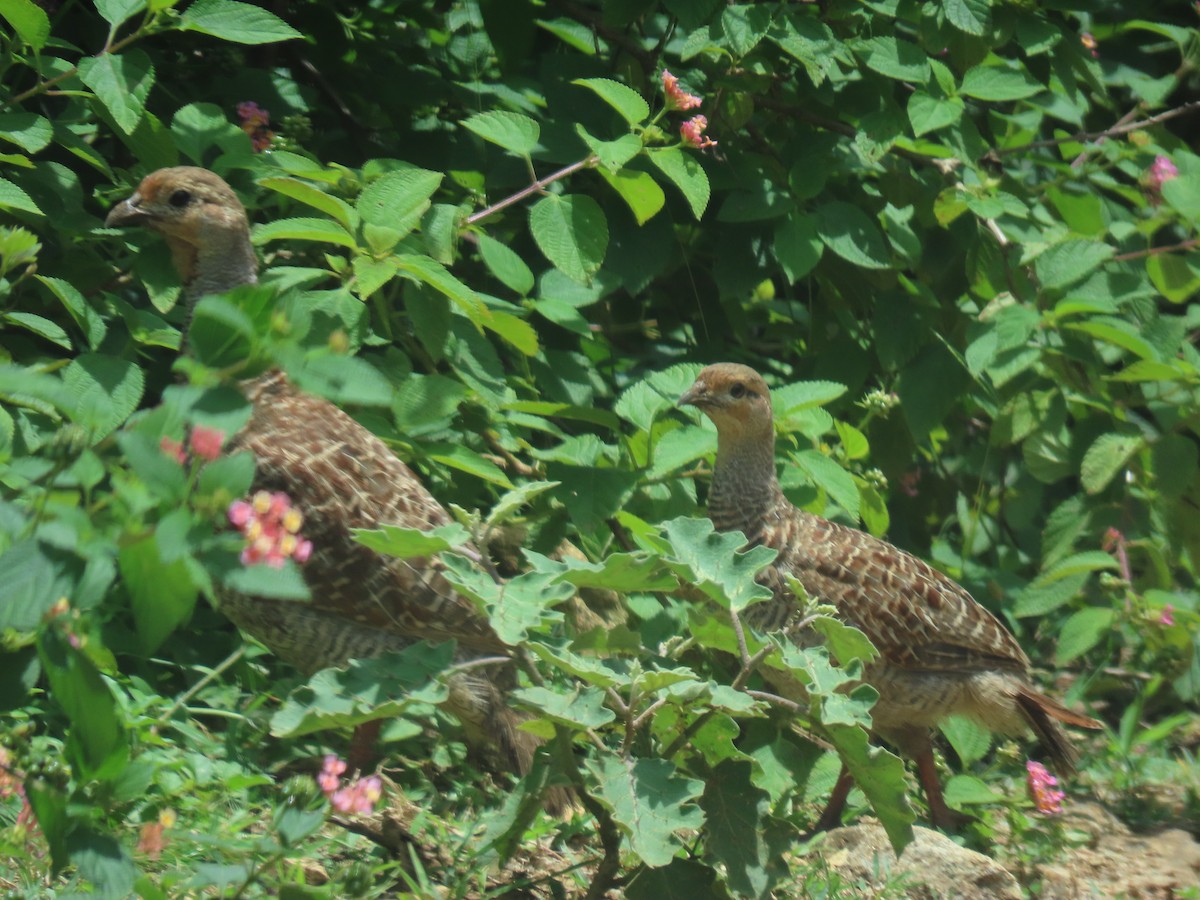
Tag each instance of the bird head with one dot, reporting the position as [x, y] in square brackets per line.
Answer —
[201, 218]
[737, 400]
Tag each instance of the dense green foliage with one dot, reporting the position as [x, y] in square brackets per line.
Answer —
[957, 235]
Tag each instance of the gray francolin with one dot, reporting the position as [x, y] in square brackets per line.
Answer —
[940, 652]
[340, 476]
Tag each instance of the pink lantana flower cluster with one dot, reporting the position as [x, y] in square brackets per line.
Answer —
[256, 123]
[1160, 172]
[271, 526]
[204, 443]
[1043, 789]
[692, 131]
[358, 797]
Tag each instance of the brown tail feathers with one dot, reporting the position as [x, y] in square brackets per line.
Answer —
[493, 728]
[1041, 712]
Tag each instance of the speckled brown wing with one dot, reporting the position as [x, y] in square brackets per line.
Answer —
[343, 477]
[916, 617]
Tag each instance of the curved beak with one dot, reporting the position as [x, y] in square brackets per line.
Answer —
[696, 395]
[125, 212]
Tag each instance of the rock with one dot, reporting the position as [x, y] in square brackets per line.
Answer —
[933, 867]
[1118, 863]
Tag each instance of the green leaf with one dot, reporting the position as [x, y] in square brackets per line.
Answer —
[336, 207]
[28, 20]
[591, 494]
[826, 474]
[573, 233]
[161, 592]
[97, 737]
[15, 197]
[1182, 191]
[505, 264]
[967, 790]
[927, 113]
[429, 271]
[650, 802]
[580, 709]
[845, 642]
[241, 23]
[625, 100]
[681, 879]
[1174, 275]
[895, 58]
[261, 580]
[511, 131]
[35, 576]
[738, 836]
[220, 333]
[407, 543]
[514, 500]
[969, 739]
[1064, 264]
[999, 84]
[397, 200]
[104, 390]
[372, 274]
[880, 775]
[39, 325]
[456, 456]
[30, 132]
[744, 26]
[853, 235]
[970, 16]
[1081, 632]
[102, 861]
[1105, 457]
[712, 561]
[798, 245]
[303, 229]
[516, 331]
[343, 379]
[121, 81]
[686, 174]
[640, 192]
[366, 689]
[117, 11]
[621, 572]
[612, 154]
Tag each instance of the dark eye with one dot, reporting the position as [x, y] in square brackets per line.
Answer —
[180, 199]
[738, 391]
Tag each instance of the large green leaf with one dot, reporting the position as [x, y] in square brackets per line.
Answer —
[242, 23]
[651, 803]
[573, 233]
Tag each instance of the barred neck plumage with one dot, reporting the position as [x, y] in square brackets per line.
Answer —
[224, 260]
[745, 489]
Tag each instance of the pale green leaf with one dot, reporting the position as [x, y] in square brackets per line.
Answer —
[241, 23]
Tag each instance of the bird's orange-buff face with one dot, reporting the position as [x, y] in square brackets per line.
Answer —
[182, 202]
[735, 398]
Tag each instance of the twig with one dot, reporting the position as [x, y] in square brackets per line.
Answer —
[1155, 251]
[537, 187]
[1121, 127]
[201, 684]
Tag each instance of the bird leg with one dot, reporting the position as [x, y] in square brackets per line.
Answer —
[361, 752]
[941, 816]
[831, 816]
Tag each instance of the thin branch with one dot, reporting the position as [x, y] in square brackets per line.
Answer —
[536, 188]
[1155, 251]
[74, 70]
[196, 688]
[1120, 128]
[837, 127]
